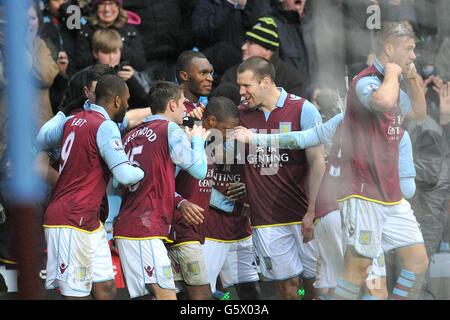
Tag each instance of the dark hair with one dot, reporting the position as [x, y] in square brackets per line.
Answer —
[184, 59]
[222, 108]
[97, 71]
[229, 90]
[161, 93]
[109, 87]
[259, 66]
[35, 6]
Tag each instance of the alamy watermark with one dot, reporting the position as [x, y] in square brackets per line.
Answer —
[373, 22]
[73, 17]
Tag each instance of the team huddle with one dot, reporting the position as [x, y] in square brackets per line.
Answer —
[241, 193]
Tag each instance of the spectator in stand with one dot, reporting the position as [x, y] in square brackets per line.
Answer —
[398, 10]
[107, 49]
[289, 15]
[262, 41]
[164, 36]
[110, 15]
[359, 40]
[220, 25]
[43, 68]
[61, 42]
[56, 31]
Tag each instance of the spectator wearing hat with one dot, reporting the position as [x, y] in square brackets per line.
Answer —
[108, 14]
[262, 41]
[219, 29]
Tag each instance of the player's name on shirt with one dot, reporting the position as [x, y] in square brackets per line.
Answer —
[144, 131]
[78, 122]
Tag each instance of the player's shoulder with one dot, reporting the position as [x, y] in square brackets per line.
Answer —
[293, 98]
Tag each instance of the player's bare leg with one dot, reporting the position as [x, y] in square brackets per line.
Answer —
[288, 289]
[248, 291]
[310, 292]
[201, 292]
[414, 263]
[376, 289]
[354, 275]
[162, 294]
[104, 290]
[77, 298]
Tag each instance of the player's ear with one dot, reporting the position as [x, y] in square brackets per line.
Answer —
[117, 101]
[183, 76]
[86, 91]
[388, 49]
[266, 82]
[171, 105]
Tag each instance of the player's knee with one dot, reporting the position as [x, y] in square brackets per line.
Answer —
[422, 263]
[198, 292]
[289, 289]
[417, 262]
[105, 291]
[248, 291]
[356, 264]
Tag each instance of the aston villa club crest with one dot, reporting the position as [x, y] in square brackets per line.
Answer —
[62, 268]
[285, 127]
[149, 270]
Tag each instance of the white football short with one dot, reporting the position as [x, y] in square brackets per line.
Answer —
[330, 259]
[234, 261]
[76, 259]
[282, 254]
[372, 228]
[145, 262]
[188, 264]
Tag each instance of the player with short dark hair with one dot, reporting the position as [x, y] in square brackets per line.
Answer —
[146, 214]
[79, 260]
[282, 211]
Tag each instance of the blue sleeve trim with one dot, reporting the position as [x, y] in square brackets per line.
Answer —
[310, 116]
[364, 89]
[110, 145]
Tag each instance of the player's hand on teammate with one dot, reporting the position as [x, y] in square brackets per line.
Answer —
[197, 113]
[191, 212]
[236, 191]
[308, 226]
[242, 134]
[197, 131]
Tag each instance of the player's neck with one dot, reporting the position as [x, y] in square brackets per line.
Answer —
[192, 97]
[270, 103]
[383, 59]
[106, 107]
